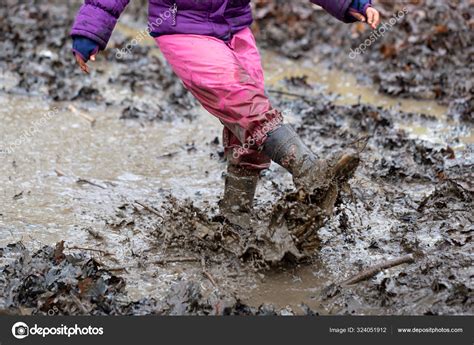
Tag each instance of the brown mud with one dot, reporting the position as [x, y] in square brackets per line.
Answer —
[130, 175]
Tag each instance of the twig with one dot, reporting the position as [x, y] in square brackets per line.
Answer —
[165, 261]
[206, 274]
[367, 273]
[78, 303]
[79, 180]
[357, 141]
[211, 279]
[90, 249]
[113, 269]
[286, 93]
[84, 116]
[95, 234]
[84, 181]
[149, 209]
[59, 172]
[168, 155]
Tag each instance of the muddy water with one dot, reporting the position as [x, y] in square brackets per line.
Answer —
[347, 91]
[41, 201]
[111, 152]
[345, 86]
[127, 160]
[290, 287]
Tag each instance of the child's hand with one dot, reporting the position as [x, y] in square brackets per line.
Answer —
[363, 11]
[84, 49]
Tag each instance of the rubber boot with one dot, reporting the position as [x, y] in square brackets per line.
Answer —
[239, 192]
[285, 147]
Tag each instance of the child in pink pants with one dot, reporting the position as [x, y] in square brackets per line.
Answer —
[227, 79]
[212, 50]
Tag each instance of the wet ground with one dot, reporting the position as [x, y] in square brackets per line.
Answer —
[423, 49]
[127, 169]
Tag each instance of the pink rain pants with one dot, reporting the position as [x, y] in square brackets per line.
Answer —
[227, 79]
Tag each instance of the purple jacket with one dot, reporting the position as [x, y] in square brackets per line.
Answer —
[219, 18]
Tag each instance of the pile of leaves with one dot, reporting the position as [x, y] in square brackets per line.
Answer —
[50, 282]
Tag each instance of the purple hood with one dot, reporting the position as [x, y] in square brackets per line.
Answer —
[219, 18]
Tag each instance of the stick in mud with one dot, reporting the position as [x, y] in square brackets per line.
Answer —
[84, 181]
[292, 94]
[377, 268]
[59, 172]
[80, 181]
[79, 304]
[170, 260]
[206, 274]
[149, 209]
[81, 114]
[90, 249]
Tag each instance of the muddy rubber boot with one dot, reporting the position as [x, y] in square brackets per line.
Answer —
[239, 191]
[285, 147]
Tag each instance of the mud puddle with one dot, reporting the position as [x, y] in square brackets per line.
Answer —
[344, 86]
[61, 182]
[313, 77]
[126, 181]
[290, 287]
[43, 208]
[110, 153]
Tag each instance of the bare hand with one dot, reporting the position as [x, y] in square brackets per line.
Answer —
[82, 64]
[372, 17]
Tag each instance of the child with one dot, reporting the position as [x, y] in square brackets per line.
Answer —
[210, 47]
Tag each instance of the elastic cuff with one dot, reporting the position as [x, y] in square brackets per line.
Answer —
[78, 32]
[95, 51]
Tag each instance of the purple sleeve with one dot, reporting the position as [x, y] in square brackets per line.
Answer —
[97, 18]
[337, 8]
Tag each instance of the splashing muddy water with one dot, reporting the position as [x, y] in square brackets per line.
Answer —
[67, 180]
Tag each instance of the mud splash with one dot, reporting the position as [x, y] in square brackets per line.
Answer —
[138, 195]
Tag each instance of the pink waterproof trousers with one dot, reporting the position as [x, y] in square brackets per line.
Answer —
[227, 79]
